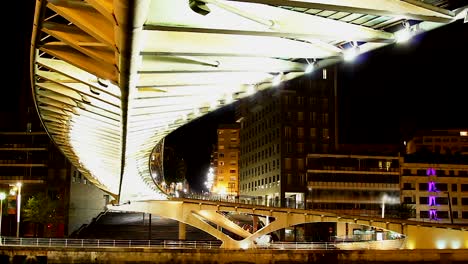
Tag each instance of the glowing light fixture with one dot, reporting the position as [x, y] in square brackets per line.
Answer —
[210, 179]
[441, 244]
[244, 245]
[351, 53]
[405, 34]
[2, 197]
[310, 66]
[18, 210]
[277, 79]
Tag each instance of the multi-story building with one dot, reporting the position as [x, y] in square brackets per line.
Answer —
[227, 160]
[439, 192]
[29, 158]
[279, 127]
[352, 183]
[434, 175]
[356, 180]
[449, 141]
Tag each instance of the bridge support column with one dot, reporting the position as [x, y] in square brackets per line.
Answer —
[182, 233]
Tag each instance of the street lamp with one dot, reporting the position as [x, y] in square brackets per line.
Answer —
[387, 199]
[18, 208]
[2, 197]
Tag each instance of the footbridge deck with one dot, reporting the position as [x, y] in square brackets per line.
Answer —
[205, 215]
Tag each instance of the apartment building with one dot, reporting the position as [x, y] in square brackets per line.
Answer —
[279, 127]
[448, 141]
[226, 180]
[30, 159]
[352, 184]
[438, 192]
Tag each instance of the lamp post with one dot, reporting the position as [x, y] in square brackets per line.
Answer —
[387, 199]
[384, 198]
[2, 197]
[18, 208]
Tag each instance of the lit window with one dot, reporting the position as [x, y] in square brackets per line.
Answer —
[300, 116]
[287, 132]
[463, 133]
[300, 147]
[300, 132]
[313, 132]
[325, 133]
[300, 164]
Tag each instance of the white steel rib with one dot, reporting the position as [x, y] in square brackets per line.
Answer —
[112, 78]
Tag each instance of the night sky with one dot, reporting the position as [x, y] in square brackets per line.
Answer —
[384, 96]
[389, 93]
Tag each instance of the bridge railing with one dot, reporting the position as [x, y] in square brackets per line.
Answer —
[179, 244]
[104, 243]
[286, 203]
[251, 200]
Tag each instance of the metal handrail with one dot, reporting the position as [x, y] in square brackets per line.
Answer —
[182, 244]
[105, 243]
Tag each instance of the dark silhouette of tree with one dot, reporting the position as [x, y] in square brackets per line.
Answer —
[41, 211]
[402, 211]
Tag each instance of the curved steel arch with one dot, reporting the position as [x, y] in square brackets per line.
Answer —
[112, 78]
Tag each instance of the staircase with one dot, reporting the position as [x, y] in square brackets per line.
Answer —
[135, 226]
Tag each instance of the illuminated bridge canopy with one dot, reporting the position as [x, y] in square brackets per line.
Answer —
[112, 78]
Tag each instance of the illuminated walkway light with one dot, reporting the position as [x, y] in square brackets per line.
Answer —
[405, 34]
[277, 79]
[310, 66]
[351, 53]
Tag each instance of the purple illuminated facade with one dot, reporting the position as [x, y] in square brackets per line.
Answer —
[431, 173]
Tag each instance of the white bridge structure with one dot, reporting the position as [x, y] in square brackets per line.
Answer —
[112, 78]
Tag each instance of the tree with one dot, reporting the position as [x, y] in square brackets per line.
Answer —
[42, 211]
[403, 211]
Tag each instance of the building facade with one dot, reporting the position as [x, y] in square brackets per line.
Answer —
[279, 127]
[448, 141]
[226, 162]
[30, 158]
[434, 175]
[439, 192]
[352, 184]
[86, 202]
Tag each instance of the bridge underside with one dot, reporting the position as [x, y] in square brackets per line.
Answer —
[207, 217]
